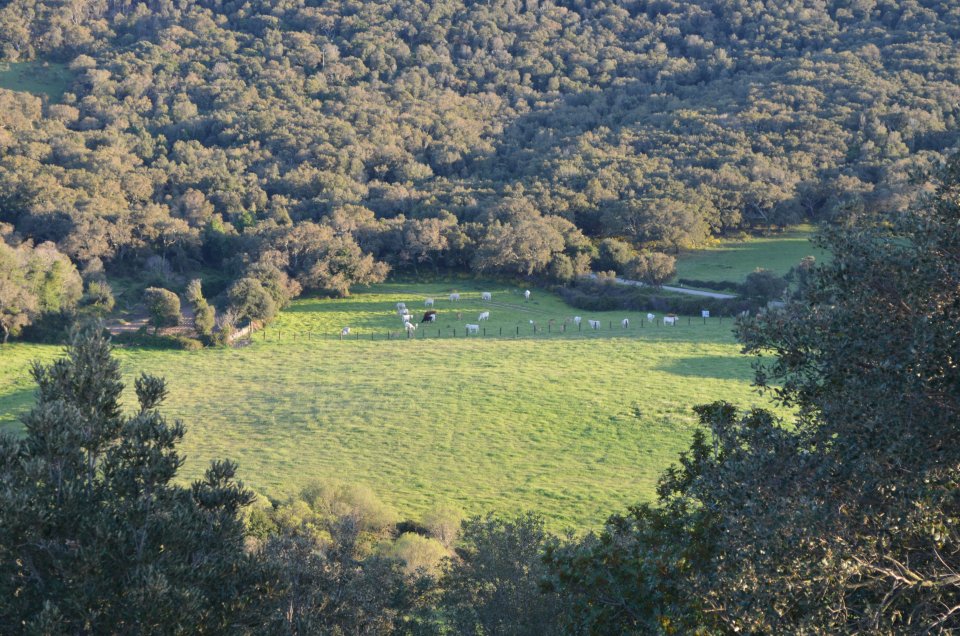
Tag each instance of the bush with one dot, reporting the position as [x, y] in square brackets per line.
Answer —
[653, 268]
[251, 301]
[614, 254]
[764, 285]
[592, 295]
[187, 344]
[358, 502]
[443, 521]
[716, 285]
[163, 306]
[419, 554]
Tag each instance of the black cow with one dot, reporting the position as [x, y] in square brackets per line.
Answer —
[429, 316]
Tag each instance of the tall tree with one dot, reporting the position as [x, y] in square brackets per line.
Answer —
[94, 534]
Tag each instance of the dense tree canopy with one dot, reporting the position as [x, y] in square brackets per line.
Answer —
[402, 132]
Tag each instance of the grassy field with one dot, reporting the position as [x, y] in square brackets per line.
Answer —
[38, 78]
[574, 425]
[733, 260]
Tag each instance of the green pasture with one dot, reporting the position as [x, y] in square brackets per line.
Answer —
[733, 259]
[38, 78]
[575, 426]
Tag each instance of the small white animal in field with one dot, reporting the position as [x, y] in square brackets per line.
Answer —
[486, 296]
[526, 295]
[625, 323]
[401, 306]
[428, 302]
[651, 317]
[594, 324]
[670, 320]
[578, 319]
[406, 317]
[484, 315]
[473, 328]
[532, 323]
[705, 313]
[345, 331]
[454, 296]
[409, 326]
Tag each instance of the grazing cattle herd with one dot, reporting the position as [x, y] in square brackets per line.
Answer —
[431, 315]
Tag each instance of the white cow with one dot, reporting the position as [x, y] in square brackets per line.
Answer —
[484, 315]
[670, 320]
[401, 306]
[473, 328]
[625, 323]
[454, 296]
[594, 324]
[345, 331]
[651, 317]
[578, 319]
[705, 313]
[526, 294]
[428, 302]
[486, 296]
[409, 326]
[406, 317]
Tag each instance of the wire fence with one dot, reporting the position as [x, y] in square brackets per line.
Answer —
[426, 331]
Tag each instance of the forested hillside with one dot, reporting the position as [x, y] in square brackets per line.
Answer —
[329, 139]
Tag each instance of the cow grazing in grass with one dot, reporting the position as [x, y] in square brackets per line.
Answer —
[345, 331]
[406, 317]
[484, 315]
[651, 317]
[486, 296]
[578, 319]
[625, 323]
[401, 306]
[429, 316]
[454, 297]
[526, 295]
[670, 319]
[473, 328]
[409, 326]
[428, 302]
[594, 324]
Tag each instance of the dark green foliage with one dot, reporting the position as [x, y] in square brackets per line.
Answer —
[251, 301]
[599, 296]
[614, 254]
[718, 285]
[763, 285]
[495, 586]
[163, 306]
[204, 319]
[94, 536]
[842, 522]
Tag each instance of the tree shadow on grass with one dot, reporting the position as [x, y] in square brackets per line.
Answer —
[12, 406]
[717, 367]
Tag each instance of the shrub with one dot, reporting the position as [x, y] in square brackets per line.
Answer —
[763, 285]
[187, 344]
[443, 521]
[614, 254]
[419, 554]
[653, 268]
[163, 306]
[358, 502]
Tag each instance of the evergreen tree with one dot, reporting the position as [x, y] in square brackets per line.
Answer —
[95, 537]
